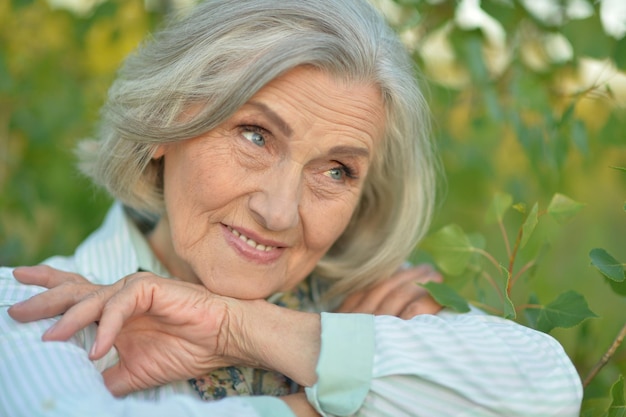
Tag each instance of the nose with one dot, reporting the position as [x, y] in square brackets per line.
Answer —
[275, 205]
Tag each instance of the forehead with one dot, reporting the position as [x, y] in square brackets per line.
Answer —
[307, 98]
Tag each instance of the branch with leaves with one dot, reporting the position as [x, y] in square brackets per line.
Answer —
[457, 253]
[463, 257]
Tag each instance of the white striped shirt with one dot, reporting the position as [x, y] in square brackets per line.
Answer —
[444, 365]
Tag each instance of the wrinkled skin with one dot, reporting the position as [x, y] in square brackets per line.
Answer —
[250, 207]
[166, 330]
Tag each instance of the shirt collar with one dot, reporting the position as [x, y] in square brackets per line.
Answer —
[115, 250]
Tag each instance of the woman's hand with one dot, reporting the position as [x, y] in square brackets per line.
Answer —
[64, 290]
[399, 296]
[164, 330]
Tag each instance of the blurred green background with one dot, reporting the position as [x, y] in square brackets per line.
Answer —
[524, 101]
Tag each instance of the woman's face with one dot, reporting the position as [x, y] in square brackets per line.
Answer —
[254, 204]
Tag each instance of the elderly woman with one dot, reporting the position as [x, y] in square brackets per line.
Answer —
[262, 153]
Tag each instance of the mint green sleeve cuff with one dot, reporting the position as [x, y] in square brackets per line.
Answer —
[344, 369]
[267, 406]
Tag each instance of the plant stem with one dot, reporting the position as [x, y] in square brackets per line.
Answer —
[528, 306]
[489, 257]
[606, 357]
[487, 307]
[512, 257]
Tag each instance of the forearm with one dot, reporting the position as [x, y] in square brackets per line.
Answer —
[448, 365]
[57, 379]
[271, 337]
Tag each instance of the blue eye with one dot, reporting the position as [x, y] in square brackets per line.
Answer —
[341, 173]
[254, 137]
[336, 173]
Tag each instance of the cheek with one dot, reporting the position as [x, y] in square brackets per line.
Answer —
[192, 174]
[326, 223]
[196, 186]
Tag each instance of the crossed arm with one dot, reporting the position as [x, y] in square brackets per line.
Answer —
[148, 320]
[429, 365]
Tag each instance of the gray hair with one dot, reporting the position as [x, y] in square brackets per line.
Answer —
[218, 56]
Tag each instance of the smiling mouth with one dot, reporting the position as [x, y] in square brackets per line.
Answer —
[250, 242]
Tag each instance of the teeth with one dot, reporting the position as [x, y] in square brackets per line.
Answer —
[251, 242]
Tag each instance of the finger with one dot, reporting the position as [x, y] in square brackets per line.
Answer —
[368, 300]
[426, 273]
[80, 315]
[50, 303]
[65, 290]
[350, 302]
[411, 298]
[118, 380]
[132, 297]
[425, 305]
[391, 296]
[396, 302]
[111, 305]
[45, 276]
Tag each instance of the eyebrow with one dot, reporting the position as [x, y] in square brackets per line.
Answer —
[350, 150]
[275, 118]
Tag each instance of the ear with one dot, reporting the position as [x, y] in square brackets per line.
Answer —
[159, 152]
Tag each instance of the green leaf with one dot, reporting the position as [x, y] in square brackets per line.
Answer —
[21, 3]
[529, 224]
[577, 32]
[499, 205]
[469, 45]
[617, 287]
[608, 265]
[532, 314]
[579, 137]
[493, 104]
[6, 81]
[568, 310]
[619, 168]
[618, 404]
[477, 240]
[590, 412]
[563, 208]
[450, 248]
[567, 114]
[619, 54]
[447, 297]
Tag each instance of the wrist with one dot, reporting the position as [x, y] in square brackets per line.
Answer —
[263, 335]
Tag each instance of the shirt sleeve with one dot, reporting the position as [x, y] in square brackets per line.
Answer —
[444, 365]
[57, 379]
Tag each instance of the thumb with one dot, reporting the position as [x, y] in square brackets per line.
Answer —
[118, 380]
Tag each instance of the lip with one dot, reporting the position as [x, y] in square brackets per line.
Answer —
[249, 253]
